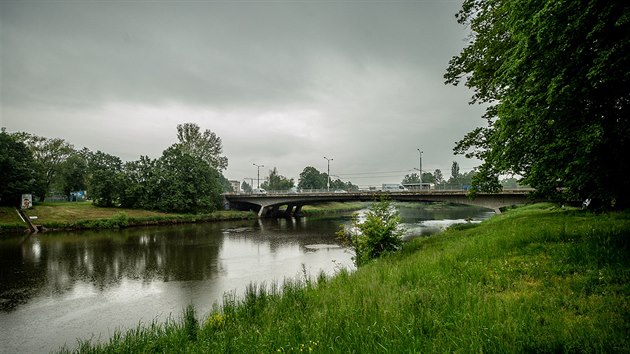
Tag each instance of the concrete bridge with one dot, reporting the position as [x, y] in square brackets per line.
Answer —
[268, 205]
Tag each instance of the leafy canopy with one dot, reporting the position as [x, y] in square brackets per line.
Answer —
[16, 170]
[204, 145]
[277, 182]
[555, 78]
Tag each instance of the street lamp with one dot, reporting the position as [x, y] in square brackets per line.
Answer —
[420, 169]
[328, 174]
[259, 166]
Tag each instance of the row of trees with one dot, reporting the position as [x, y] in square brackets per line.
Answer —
[310, 178]
[457, 179]
[186, 178]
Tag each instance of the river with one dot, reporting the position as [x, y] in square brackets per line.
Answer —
[59, 286]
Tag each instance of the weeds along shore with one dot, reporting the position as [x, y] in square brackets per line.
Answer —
[538, 278]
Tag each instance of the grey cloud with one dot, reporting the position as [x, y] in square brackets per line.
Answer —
[370, 73]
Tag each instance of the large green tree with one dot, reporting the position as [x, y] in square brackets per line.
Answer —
[16, 170]
[555, 78]
[338, 184]
[186, 183]
[105, 179]
[72, 173]
[204, 145]
[277, 182]
[311, 178]
[140, 180]
[49, 154]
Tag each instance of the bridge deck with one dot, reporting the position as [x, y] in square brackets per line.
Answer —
[270, 203]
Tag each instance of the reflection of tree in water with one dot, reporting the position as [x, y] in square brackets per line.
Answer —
[20, 276]
[53, 263]
[415, 212]
[276, 234]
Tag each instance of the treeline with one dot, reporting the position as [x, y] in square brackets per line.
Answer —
[456, 181]
[310, 178]
[186, 178]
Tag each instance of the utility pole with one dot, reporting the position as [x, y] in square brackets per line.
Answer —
[328, 174]
[420, 167]
[259, 166]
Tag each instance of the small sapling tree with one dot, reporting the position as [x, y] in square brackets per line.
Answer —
[380, 233]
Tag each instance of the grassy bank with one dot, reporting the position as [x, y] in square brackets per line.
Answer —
[84, 215]
[10, 220]
[330, 208]
[535, 279]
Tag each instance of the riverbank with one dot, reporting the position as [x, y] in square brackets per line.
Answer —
[534, 279]
[84, 215]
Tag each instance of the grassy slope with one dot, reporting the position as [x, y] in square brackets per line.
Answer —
[10, 220]
[80, 215]
[534, 279]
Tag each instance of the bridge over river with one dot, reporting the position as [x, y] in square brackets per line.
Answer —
[267, 205]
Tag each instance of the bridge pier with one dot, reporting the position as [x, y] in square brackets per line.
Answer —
[289, 212]
[298, 210]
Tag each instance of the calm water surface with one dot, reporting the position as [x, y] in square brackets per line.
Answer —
[56, 287]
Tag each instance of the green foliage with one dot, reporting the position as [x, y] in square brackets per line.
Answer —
[205, 146]
[105, 179]
[17, 166]
[555, 76]
[277, 182]
[191, 326]
[246, 187]
[140, 184]
[72, 173]
[411, 178]
[380, 233]
[311, 178]
[346, 186]
[49, 155]
[186, 183]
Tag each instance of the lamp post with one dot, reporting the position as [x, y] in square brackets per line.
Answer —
[420, 167]
[259, 166]
[328, 174]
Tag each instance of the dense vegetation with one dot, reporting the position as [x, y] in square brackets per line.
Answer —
[535, 279]
[555, 78]
[186, 178]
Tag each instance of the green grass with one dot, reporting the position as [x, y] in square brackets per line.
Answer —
[335, 207]
[10, 220]
[535, 279]
[84, 215]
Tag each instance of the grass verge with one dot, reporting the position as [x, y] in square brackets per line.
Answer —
[84, 215]
[10, 220]
[535, 279]
[331, 208]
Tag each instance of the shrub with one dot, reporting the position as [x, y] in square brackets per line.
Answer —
[380, 233]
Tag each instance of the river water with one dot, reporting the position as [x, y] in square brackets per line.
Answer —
[59, 286]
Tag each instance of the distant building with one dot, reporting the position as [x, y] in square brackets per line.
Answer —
[236, 186]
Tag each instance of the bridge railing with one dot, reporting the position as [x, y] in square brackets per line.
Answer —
[323, 191]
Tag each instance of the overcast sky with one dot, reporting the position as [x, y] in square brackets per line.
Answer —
[282, 83]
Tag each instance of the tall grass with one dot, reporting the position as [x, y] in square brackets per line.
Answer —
[536, 279]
